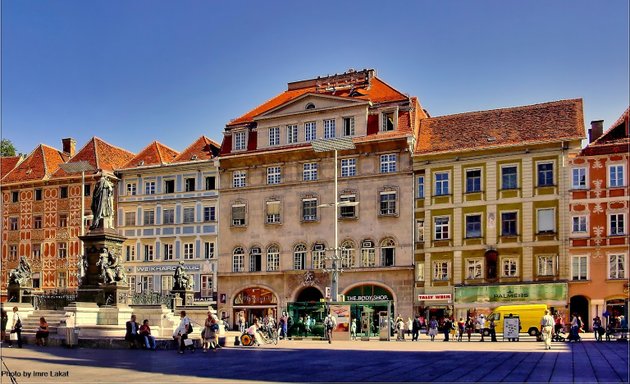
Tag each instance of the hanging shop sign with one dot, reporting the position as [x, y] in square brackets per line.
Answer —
[368, 292]
[511, 293]
[436, 297]
[255, 296]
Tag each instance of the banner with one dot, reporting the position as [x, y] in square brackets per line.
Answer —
[435, 297]
[342, 316]
[517, 293]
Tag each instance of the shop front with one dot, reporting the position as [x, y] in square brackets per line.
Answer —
[254, 302]
[438, 305]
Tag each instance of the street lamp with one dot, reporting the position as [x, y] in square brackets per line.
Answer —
[335, 145]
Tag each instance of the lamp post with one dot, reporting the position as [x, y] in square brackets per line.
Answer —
[334, 145]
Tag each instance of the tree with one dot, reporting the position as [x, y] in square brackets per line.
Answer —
[7, 148]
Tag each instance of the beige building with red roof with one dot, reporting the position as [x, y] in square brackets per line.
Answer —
[41, 210]
[491, 208]
[277, 233]
[167, 209]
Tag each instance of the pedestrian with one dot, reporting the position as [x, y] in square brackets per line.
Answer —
[624, 327]
[493, 332]
[575, 328]
[330, 323]
[559, 327]
[400, 328]
[131, 334]
[16, 329]
[597, 328]
[481, 325]
[415, 328]
[307, 325]
[353, 329]
[145, 335]
[470, 325]
[284, 323]
[181, 333]
[211, 336]
[241, 322]
[41, 336]
[409, 325]
[546, 328]
[447, 326]
[433, 328]
[5, 321]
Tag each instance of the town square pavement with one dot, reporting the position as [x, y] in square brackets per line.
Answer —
[318, 361]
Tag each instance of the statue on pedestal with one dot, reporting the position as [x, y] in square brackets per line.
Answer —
[22, 274]
[112, 272]
[181, 280]
[103, 204]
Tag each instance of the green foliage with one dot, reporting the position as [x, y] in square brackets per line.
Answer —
[7, 148]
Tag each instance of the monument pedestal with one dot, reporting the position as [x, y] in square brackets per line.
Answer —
[183, 298]
[19, 294]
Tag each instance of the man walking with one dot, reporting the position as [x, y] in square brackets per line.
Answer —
[330, 323]
[546, 327]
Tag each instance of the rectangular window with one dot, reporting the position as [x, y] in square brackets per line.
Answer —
[146, 283]
[473, 180]
[37, 251]
[348, 167]
[209, 214]
[15, 196]
[579, 224]
[442, 226]
[39, 194]
[309, 172]
[37, 280]
[348, 126]
[148, 252]
[368, 254]
[579, 267]
[347, 211]
[63, 192]
[545, 265]
[206, 285]
[189, 251]
[189, 184]
[578, 179]
[299, 258]
[508, 224]
[13, 252]
[546, 220]
[387, 255]
[149, 188]
[62, 250]
[167, 284]
[617, 224]
[420, 230]
[211, 183]
[387, 203]
[473, 226]
[255, 260]
[545, 174]
[169, 186]
[509, 267]
[617, 266]
[37, 222]
[440, 270]
[131, 189]
[420, 191]
[130, 219]
[63, 220]
[441, 184]
[273, 212]
[309, 209]
[310, 131]
[130, 253]
[274, 136]
[239, 141]
[62, 281]
[168, 252]
[387, 122]
[168, 216]
[615, 175]
[208, 250]
[238, 215]
[149, 217]
[292, 134]
[474, 268]
[189, 215]
[14, 223]
[273, 175]
[509, 177]
[238, 179]
[86, 190]
[388, 163]
[329, 128]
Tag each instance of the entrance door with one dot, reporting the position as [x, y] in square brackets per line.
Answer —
[579, 305]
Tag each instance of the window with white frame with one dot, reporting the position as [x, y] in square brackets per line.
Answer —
[617, 266]
[292, 134]
[310, 131]
[348, 126]
[473, 226]
[388, 163]
[579, 224]
[238, 214]
[387, 121]
[329, 128]
[348, 211]
[578, 178]
[441, 270]
[509, 224]
[149, 217]
[388, 253]
[273, 212]
[211, 183]
[274, 136]
[509, 177]
[238, 260]
[299, 257]
[546, 220]
[309, 172]
[148, 252]
[545, 174]
[473, 180]
[420, 230]
[14, 223]
[347, 254]
[617, 224]
[146, 283]
[388, 203]
[616, 176]
[206, 285]
[13, 252]
[169, 186]
[348, 167]
[130, 252]
[168, 252]
[189, 251]
[133, 288]
[167, 284]
[238, 179]
[36, 251]
[149, 188]
[273, 175]
[318, 256]
[509, 267]
[131, 189]
[189, 184]
[62, 250]
[208, 250]
[255, 259]
[168, 216]
[273, 258]
[442, 227]
[62, 280]
[441, 183]
[420, 271]
[63, 220]
[420, 186]
[474, 268]
[239, 141]
[309, 209]
[209, 214]
[579, 267]
[545, 265]
[189, 215]
[368, 254]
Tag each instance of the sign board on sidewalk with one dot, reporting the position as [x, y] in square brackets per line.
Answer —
[510, 327]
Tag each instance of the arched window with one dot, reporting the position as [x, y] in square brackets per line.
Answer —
[388, 252]
[255, 259]
[273, 258]
[318, 256]
[238, 260]
[347, 254]
[310, 106]
[368, 254]
[299, 256]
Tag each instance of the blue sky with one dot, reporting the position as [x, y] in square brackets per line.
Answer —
[134, 71]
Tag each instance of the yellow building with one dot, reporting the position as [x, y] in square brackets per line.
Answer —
[491, 207]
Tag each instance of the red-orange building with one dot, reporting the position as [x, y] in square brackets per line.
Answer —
[598, 250]
[41, 210]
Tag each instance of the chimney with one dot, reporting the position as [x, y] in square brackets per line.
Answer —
[69, 145]
[597, 129]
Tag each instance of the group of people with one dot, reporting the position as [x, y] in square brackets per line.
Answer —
[139, 335]
[15, 329]
[444, 325]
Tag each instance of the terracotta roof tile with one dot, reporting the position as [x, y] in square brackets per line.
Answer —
[101, 155]
[38, 165]
[7, 163]
[155, 153]
[202, 149]
[539, 123]
[614, 140]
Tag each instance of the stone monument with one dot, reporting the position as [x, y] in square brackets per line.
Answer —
[182, 287]
[20, 283]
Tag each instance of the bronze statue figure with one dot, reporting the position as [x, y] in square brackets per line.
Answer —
[103, 204]
[22, 274]
[181, 280]
[112, 272]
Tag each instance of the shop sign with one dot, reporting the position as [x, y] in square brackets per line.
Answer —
[368, 293]
[167, 268]
[436, 297]
[508, 293]
[255, 296]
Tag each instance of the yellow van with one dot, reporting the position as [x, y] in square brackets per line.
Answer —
[529, 315]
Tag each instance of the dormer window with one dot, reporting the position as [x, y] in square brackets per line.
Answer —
[387, 121]
[239, 141]
[310, 106]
